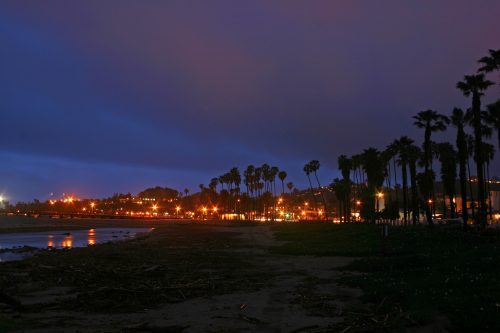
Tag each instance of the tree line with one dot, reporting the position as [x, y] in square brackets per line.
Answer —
[364, 174]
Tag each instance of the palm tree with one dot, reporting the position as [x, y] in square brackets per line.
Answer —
[494, 118]
[374, 168]
[248, 180]
[273, 172]
[430, 121]
[489, 155]
[272, 177]
[414, 154]
[470, 153]
[448, 158]
[213, 184]
[307, 169]
[282, 176]
[341, 189]
[458, 120]
[290, 186]
[389, 155]
[266, 172]
[401, 147]
[490, 63]
[248, 177]
[314, 165]
[345, 165]
[475, 85]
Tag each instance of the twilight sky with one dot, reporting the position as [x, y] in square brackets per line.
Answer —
[98, 97]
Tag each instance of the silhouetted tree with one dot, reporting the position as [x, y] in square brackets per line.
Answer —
[282, 176]
[475, 85]
[345, 165]
[458, 120]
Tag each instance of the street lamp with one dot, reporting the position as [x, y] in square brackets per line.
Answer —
[380, 195]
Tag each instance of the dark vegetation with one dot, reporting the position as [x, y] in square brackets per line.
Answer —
[425, 273]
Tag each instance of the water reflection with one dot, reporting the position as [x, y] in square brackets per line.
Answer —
[91, 237]
[50, 242]
[67, 239]
[67, 242]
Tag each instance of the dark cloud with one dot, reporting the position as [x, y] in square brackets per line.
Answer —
[201, 86]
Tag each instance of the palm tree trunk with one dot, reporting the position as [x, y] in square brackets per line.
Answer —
[463, 192]
[414, 198]
[321, 192]
[405, 189]
[489, 189]
[471, 193]
[478, 140]
[312, 193]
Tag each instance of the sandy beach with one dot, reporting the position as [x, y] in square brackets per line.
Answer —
[183, 277]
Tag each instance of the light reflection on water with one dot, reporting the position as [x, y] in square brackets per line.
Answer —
[64, 239]
[91, 237]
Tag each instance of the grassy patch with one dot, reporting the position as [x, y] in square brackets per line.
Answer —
[324, 239]
[425, 273]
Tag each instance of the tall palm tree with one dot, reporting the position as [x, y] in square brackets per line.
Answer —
[475, 85]
[273, 172]
[282, 176]
[248, 180]
[494, 118]
[272, 177]
[430, 121]
[341, 189]
[390, 155]
[401, 146]
[213, 184]
[448, 159]
[458, 120]
[414, 154]
[470, 153]
[489, 155]
[374, 168]
[345, 165]
[356, 164]
[248, 177]
[266, 173]
[308, 170]
[314, 165]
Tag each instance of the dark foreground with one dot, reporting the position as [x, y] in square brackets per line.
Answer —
[199, 277]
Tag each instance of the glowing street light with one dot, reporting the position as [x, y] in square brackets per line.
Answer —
[380, 195]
